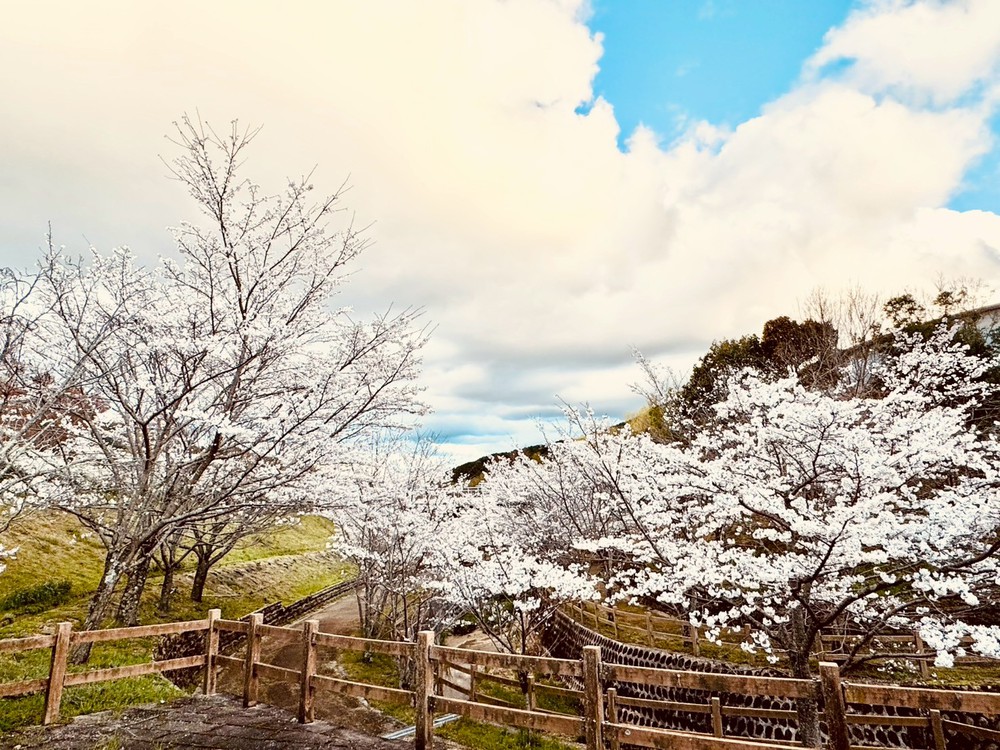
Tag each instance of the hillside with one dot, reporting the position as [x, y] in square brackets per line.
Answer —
[58, 565]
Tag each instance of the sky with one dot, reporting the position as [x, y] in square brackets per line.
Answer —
[555, 182]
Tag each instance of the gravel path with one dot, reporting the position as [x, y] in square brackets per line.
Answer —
[216, 723]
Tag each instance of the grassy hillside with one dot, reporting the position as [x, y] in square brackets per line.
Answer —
[51, 547]
[284, 564]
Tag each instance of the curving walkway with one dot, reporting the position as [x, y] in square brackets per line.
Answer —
[216, 723]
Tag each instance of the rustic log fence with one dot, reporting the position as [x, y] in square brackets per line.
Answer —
[658, 630]
[597, 720]
[276, 613]
[65, 638]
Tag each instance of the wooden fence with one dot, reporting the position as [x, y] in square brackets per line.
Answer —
[658, 630]
[597, 719]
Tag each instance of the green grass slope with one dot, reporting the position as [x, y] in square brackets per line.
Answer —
[284, 564]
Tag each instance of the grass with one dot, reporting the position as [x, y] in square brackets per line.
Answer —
[17, 713]
[377, 669]
[381, 669]
[263, 569]
[57, 544]
[902, 672]
[489, 737]
[308, 534]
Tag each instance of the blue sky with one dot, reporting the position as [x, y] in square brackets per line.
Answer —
[668, 62]
[491, 148]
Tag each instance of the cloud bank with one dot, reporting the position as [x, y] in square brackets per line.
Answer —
[501, 201]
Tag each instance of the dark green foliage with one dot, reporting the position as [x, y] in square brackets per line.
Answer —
[35, 599]
[789, 345]
[947, 300]
[904, 310]
[785, 345]
[707, 384]
[472, 471]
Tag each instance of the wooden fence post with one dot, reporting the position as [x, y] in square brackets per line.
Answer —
[424, 689]
[690, 633]
[649, 629]
[614, 621]
[57, 673]
[211, 651]
[817, 647]
[251, 680]
[306, 693]
[531, 692]
[937, 729]
[834, 707]
[597, 620]
[918, 646]
[613, 717]
[716, 717]
[593, 698]
[472, 682]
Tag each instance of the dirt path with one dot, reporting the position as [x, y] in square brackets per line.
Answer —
[216, 723]
[339, 617]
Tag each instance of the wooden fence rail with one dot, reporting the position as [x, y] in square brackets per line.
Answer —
[60, 676]
[598, 721]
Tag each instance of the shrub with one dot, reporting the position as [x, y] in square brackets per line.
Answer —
[35, 599]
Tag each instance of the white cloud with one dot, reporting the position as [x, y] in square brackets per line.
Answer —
[539, 249]
[928, 49]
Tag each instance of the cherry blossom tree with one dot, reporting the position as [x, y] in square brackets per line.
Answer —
[391, 505]
[42, 393]
[229, 378]
[505, 561]
[794, 510]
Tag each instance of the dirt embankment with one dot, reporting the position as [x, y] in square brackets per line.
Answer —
[268, 576]
[339, 617]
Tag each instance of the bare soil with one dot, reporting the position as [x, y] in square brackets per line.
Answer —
[339, 617]
[215, 723]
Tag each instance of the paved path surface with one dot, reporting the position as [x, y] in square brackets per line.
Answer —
[216, 723]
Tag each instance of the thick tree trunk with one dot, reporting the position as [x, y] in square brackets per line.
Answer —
[100, 603]
[200, 576]
[128, 607]
[807, 708]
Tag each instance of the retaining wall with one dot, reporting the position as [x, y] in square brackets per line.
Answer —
[276, 613]
[566, 638]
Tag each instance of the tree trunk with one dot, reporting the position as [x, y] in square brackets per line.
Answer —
[166, 589]
[100, 603]
[200, 576]
[128, 607]
[362, 610]
[798, 655]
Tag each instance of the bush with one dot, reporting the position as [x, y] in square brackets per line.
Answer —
[35, 599]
